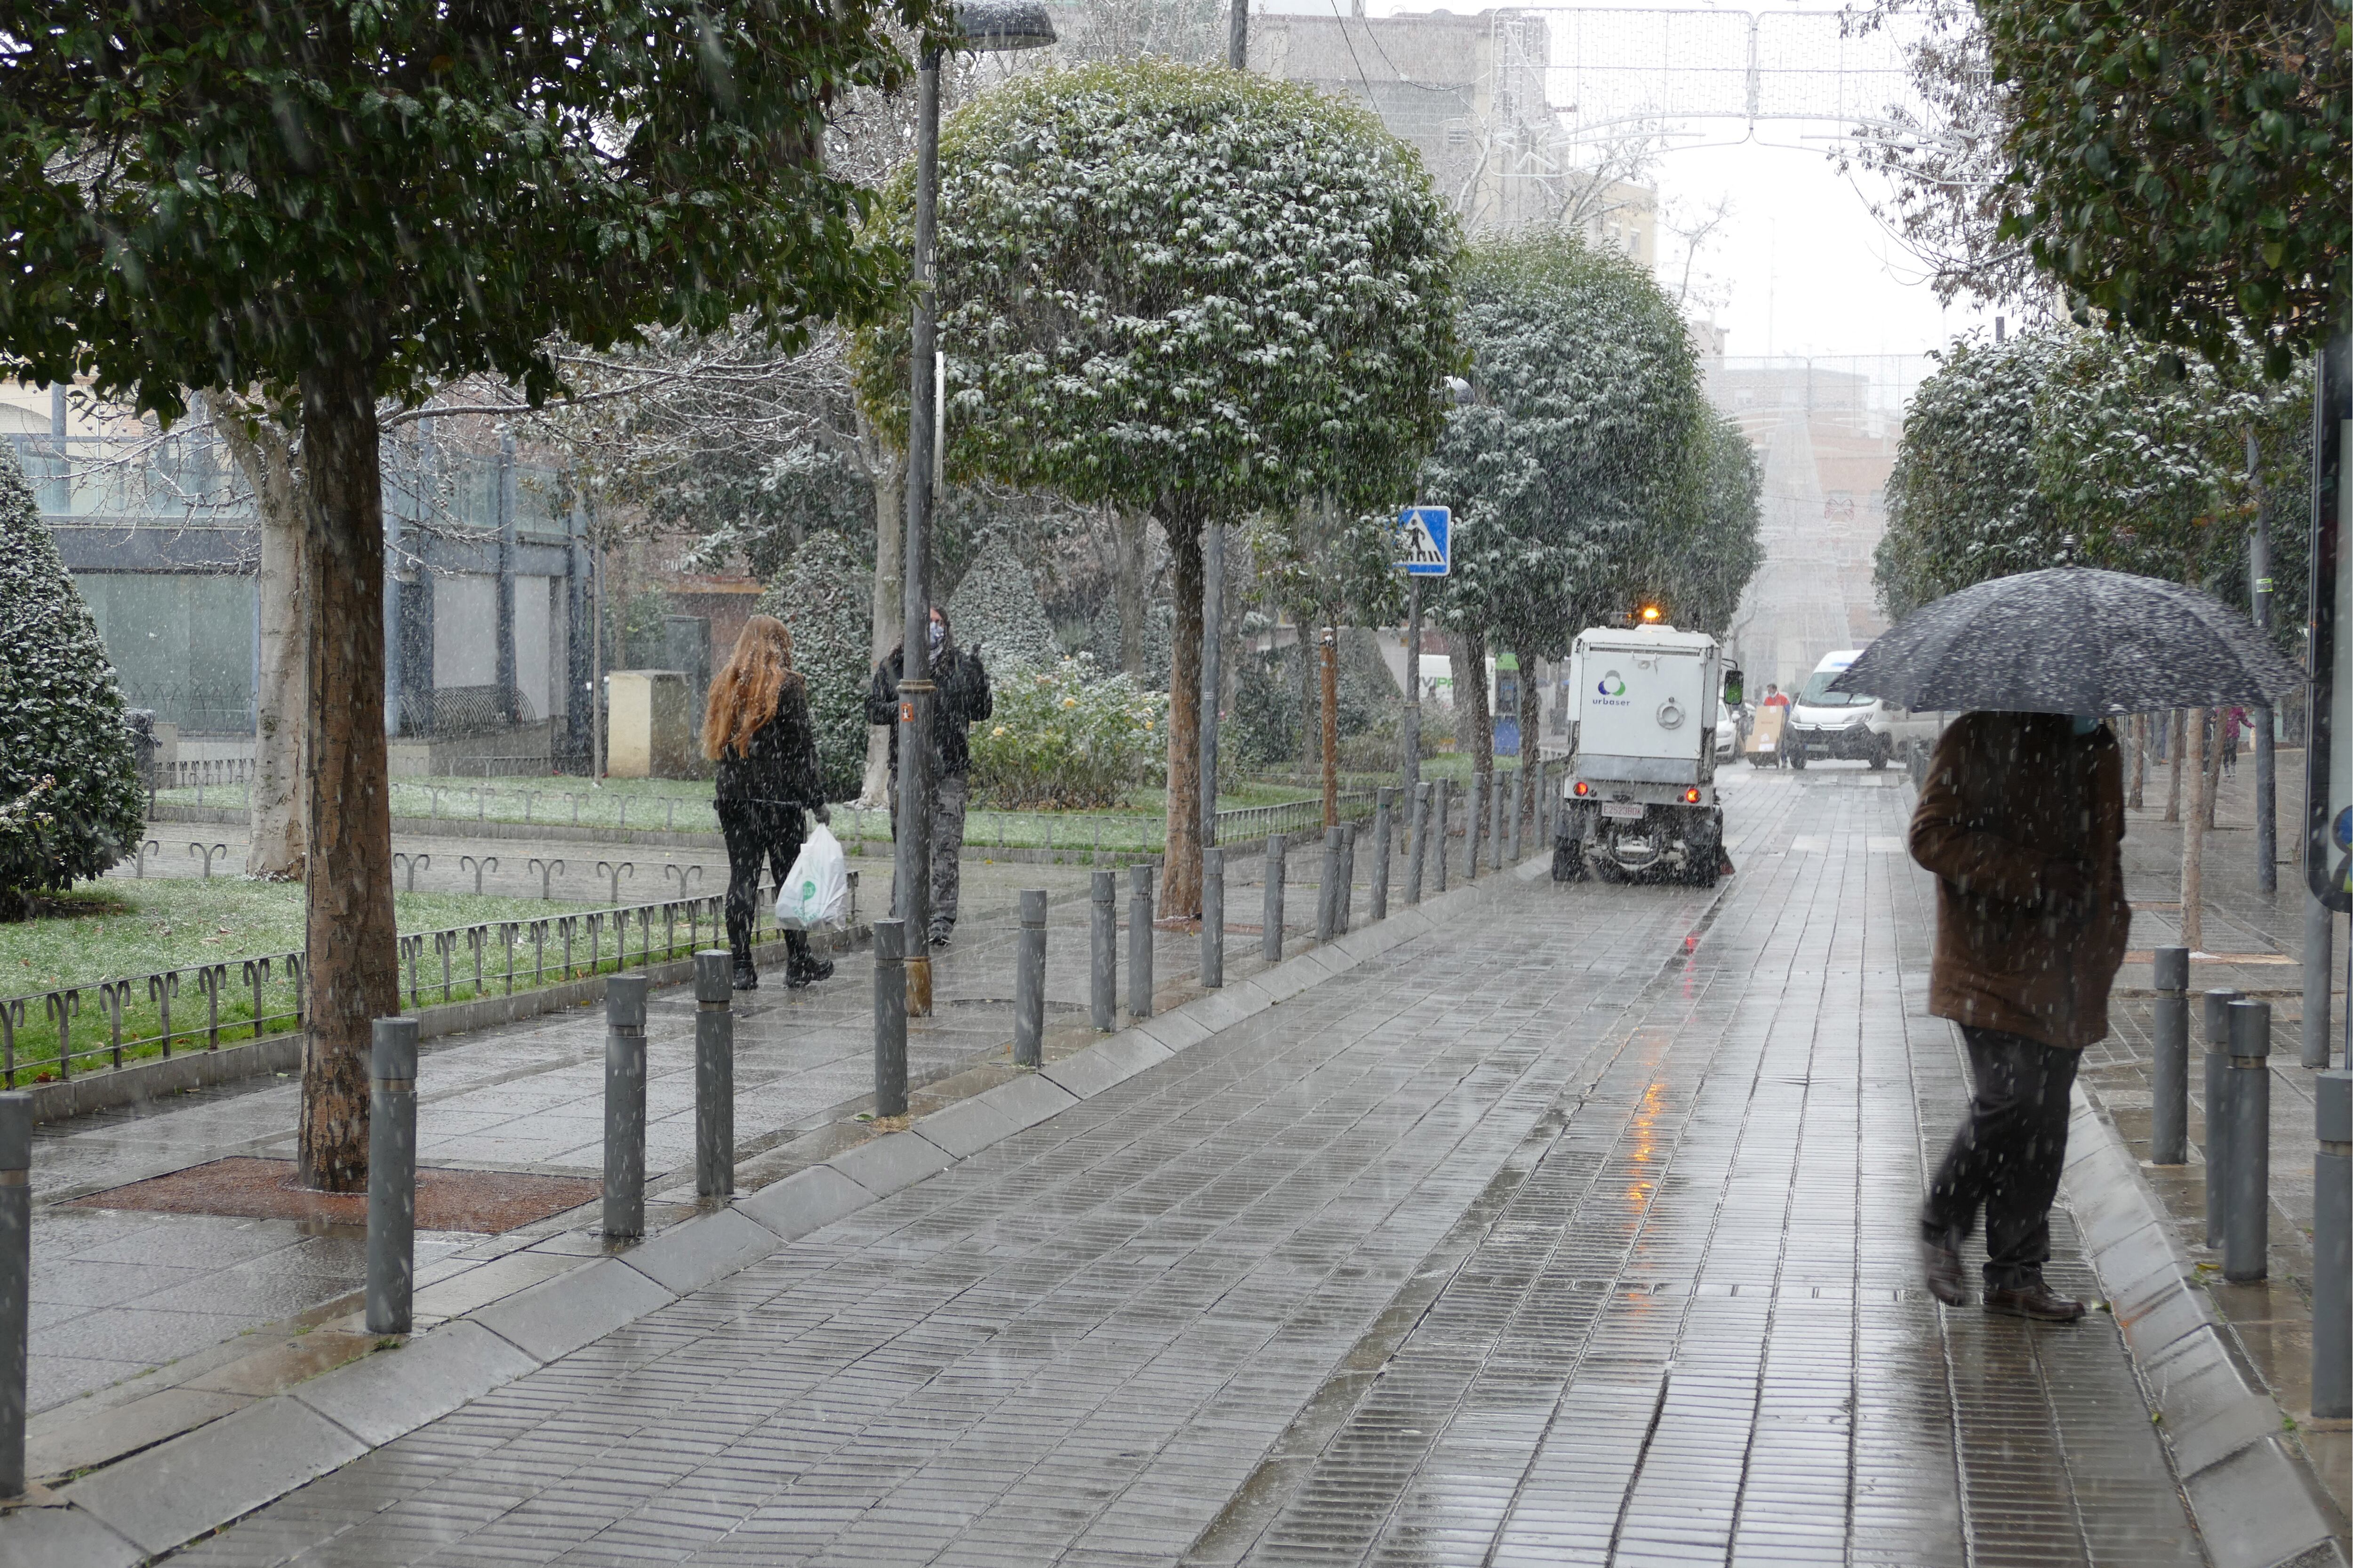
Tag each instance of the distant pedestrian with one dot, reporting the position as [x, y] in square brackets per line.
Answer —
[757, 727]
[960, 699]
[1773, 697]
[2233, 720]
[2021, 818]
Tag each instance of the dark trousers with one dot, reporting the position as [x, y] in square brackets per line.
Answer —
[2007, 1155]
[758, 834]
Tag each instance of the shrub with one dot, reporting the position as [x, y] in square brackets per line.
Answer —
[996, 604]
[825, 598]
[70, 795]
[1065, 736]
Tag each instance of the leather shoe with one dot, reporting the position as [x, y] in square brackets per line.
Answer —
[1941, 1266]
[747, 980]
[2036, 1300]
[798, 977]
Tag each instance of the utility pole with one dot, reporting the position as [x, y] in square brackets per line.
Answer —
[1237, 37]
[915, 689]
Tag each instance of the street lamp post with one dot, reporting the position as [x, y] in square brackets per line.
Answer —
[983, 26]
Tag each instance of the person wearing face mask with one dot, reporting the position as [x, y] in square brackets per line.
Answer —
[2022, 818]
[962, 700]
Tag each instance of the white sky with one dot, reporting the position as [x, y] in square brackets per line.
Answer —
[1801, 266]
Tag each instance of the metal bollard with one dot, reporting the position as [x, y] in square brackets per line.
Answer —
[1345, 899]
[1327, 888]
[1213, 918]
[2332, 1245]
[391, 1176]
[1417, 845]
[2246, 1221]
[1030, 981]
[1103, 949]
[1445, 789]
[1519, 805]
[16, 1283]
[1473, 820]
[2320, 940]
[1547, 798]
[2218, 1125]
[625, 1105]
[890, 1019]
[714, 1074]
[1139, 940]
[1382, 829]
[1271, 942]
[2168, 1114]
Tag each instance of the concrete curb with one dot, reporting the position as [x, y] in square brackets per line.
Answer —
[135, 1082]
[154, 1501]
[2254, 1504]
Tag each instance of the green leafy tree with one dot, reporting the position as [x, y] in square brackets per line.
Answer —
[2076, 446]
[70, 802]
[2183, 168]
[343, 204]
[1188, 291]
[1576, 472]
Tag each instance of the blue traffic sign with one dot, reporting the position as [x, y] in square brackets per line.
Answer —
[1423, 531]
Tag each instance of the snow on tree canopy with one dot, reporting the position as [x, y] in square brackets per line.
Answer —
[1160, 279]
[69, 791]
[996, 603]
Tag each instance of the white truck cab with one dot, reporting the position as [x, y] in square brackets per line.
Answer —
[1838, 725]
[1641, 793]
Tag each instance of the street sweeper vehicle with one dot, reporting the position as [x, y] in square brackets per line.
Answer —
[1640, 798]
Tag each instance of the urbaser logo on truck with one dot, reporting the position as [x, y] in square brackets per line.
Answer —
[1612, 690]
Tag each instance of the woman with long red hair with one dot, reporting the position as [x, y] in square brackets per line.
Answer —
[757, 727]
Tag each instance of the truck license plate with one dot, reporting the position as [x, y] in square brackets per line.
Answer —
[1622, 811]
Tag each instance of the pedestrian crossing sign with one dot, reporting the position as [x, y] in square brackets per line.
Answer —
[1423, 532]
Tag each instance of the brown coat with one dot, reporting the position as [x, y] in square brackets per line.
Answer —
[2008, 797]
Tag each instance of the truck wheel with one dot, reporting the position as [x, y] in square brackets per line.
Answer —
[1798, 758]
[1569, 861]
[1702, 872]
[1879, 755]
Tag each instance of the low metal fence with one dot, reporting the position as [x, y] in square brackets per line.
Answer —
[213, 772]
[1244, 823]
[233, 999]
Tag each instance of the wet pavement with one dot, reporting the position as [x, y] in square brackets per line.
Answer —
[120, 1295]
[1579, 1232]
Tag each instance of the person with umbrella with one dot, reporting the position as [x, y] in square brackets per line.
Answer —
[2021, 818]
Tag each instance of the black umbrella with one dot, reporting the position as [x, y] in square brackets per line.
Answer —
[2071, 639]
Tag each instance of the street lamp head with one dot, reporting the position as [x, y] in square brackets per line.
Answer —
[997, 27]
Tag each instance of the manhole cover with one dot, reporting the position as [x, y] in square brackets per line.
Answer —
[484, 1201]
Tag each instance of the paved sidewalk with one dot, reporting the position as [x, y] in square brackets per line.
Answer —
[1578, 1232]
[122, 1295]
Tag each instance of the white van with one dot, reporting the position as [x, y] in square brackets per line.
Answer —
[1841, 726]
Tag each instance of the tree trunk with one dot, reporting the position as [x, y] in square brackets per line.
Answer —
[2218, 717]
[1531, 724]
[1331, 726]
[1180, 869]
[2175, 724]
[2193, 834]
[350, 968]
[888, 613]
[1470, 677]
[1127, 582]
[277, 795]
[2140, 758]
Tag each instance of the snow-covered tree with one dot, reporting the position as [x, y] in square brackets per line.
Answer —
[1191, 292]
[1575, 471]
[70, 802]
[996, 603]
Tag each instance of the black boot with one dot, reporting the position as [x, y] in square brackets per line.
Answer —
[803, 968]
[746, 977]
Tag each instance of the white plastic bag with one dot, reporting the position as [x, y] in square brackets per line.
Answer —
[816, 897]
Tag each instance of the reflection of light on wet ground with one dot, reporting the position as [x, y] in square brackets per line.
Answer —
[1643, 1133]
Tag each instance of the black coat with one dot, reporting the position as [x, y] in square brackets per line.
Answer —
[780, 768]
[963, 701]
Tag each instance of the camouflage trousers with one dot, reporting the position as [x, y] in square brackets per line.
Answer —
[947, 844]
